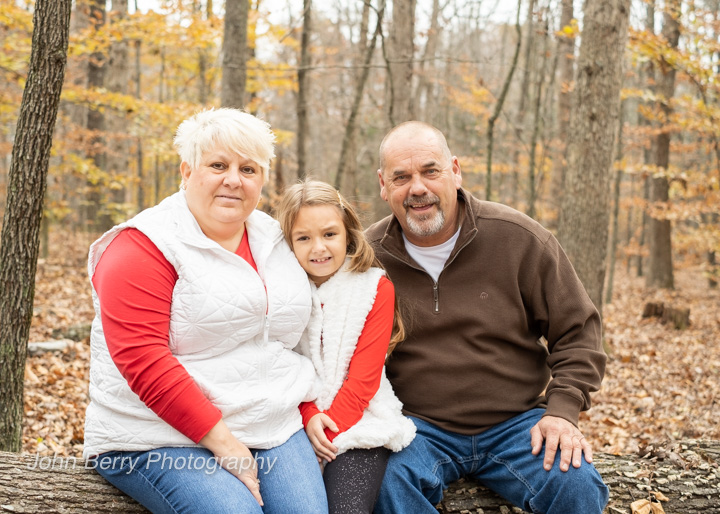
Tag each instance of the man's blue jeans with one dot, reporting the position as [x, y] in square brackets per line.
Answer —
[172, 480]
[500, 458]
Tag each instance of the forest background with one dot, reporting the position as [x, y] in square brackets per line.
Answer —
[497, 77]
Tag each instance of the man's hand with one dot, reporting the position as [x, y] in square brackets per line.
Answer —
[559, 432]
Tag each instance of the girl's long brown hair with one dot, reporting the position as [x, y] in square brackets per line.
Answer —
[362, 255]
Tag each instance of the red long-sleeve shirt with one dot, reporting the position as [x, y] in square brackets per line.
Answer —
[366, 365]
[134, 283]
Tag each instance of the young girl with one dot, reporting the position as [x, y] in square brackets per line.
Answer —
[356, 420]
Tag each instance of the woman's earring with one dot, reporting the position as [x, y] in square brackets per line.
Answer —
[183, 185]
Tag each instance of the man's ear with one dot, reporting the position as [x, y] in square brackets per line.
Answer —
[457, 172]
[383, 192]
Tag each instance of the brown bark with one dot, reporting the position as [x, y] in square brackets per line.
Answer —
[537, 122]
[202, 57]
[584, 213]
[303, 130]
[19, 241]
[686, 473]
[117, 80]
[400, 62]
[234, 49]
[95, 118]
[566, 60]
[347, 162]
[614, 223]
[647, 73]
[520, 114]
[422, 97]
[499, 106]
[660, 270]
[140, 200]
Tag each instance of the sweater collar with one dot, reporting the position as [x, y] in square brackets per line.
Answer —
[392, 240]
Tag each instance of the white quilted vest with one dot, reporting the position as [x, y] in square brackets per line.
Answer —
[340, 307]
[241, 358]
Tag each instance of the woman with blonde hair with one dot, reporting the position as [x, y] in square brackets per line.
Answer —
[199, 301]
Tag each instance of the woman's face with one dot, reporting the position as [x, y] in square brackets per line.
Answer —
[223, 191]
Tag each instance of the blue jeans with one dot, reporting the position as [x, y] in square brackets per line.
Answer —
[188, 479]
[500, 458]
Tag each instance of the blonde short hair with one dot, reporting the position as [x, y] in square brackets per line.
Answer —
[232, 129]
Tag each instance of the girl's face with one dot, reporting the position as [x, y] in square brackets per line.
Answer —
[319, 240]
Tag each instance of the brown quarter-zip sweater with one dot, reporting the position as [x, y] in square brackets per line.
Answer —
[473, 356]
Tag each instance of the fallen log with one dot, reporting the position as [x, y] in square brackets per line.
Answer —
[687, 474]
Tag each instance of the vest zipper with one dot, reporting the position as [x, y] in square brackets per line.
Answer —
[436, 296]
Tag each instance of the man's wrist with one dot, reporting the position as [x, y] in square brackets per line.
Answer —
[563, 406]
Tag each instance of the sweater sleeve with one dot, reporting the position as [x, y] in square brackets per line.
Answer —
[571, 324]
[366, 364]
[134, 283]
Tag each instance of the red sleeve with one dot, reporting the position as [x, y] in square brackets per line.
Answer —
[134, 283]
[307, 411]
[366, 365]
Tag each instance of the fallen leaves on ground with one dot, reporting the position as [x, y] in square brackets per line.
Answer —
[661, 384]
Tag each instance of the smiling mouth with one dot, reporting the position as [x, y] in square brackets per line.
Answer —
[229, 197]
[320, 261]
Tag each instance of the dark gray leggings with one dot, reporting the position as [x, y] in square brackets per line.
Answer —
[353, 480]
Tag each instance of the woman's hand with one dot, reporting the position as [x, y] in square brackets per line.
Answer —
[233, 456]
[315, 430]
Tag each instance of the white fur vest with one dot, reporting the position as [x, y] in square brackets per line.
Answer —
[239, 356]
[340, 307]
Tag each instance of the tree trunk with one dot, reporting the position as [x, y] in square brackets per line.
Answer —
[140, 200]
[400, 65]
[499, 106]
[21, 222]
[96, 119]
[647, 73]
[566, 52]
[157, 182]
[303, 130]
[644, 227]
[422, 96]
[537, 121]
[76, 112]
[660, 271]
[348, 160]
[687, 474]
[234, 49]
[584, 213]
[520, 114]
[117, 80]
[202, 56]
[614, 221]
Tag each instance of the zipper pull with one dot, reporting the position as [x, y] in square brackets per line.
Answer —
[266, 331]
[436, 297]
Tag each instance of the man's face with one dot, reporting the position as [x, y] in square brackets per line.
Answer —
[419, 180]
